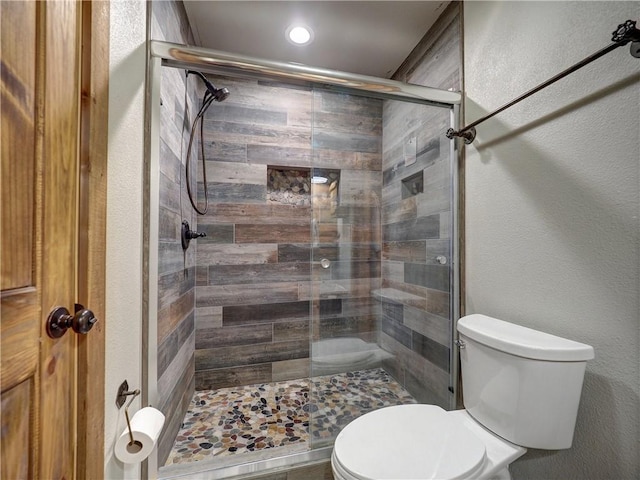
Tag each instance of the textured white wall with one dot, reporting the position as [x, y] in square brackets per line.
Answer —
[124, 219]
[552, 207]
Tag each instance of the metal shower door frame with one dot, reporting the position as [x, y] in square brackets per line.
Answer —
[165, 54]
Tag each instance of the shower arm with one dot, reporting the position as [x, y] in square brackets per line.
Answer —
[625, 33]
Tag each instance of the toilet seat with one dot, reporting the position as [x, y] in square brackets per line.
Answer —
[408, 442]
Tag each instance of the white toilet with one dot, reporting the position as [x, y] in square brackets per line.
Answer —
[521, 389]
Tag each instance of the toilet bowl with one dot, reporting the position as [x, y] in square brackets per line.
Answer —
[420, 442]
[521, 389]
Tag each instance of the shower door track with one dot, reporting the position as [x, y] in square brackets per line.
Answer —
[215, 61]
[248, 470]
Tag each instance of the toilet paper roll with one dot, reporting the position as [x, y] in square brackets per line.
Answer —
[146, 426]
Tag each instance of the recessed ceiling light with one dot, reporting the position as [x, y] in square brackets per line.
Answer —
[299, 34]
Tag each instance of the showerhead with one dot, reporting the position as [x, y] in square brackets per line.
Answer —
[221, 94]
[218, 94]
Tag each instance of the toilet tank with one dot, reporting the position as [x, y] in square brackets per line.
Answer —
[521, 384]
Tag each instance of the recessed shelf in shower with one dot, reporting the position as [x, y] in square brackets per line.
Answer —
[413, 185]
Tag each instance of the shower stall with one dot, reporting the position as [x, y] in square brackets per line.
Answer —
[326, 285]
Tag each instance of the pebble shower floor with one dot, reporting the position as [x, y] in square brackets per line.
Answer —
[229, 421]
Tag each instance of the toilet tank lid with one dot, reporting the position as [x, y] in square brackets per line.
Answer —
[522, 341]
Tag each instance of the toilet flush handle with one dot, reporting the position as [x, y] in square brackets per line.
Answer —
[460, 343]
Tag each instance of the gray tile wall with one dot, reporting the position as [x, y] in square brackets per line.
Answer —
[258, 278]
[176, 271]
[416, 229]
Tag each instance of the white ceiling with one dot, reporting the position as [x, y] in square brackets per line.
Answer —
[369, 38]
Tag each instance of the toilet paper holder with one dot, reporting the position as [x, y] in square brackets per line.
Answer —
[123, 393]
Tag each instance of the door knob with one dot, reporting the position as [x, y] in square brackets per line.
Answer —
[60, 320]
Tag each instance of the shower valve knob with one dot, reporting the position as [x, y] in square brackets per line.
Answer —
[188, 235]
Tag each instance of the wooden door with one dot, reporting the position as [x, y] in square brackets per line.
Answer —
[49, 107]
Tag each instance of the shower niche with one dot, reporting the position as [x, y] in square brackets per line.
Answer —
[413, 185]
[289, 186]
[303, 187]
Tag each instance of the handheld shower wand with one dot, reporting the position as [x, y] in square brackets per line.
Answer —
[212, 93]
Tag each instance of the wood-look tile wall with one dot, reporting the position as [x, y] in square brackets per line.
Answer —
[416, 229]
[176, 271]
[258, 275]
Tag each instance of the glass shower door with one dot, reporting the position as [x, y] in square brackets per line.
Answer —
[381, 257]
